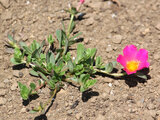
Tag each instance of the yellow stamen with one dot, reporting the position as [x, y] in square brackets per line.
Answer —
[132, 65]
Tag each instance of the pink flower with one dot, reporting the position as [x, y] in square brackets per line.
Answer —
[82, 1]
[133, 60]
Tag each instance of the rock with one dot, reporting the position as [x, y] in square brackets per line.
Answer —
[158, 26]
[5, 3]
[17, 74]
[2, 101]
[2, 92]
[9, 50]
[2, 85]
[79, 116]
[23, 110]
[117, 39]
[20, 74]
[104, 95]
[6, 15]
[14, 86]
[6, 81]
[116, 83]
[109, 48]
[62, 91]
[150, 106]
[100, 117]
[156, 56]
[89, 21]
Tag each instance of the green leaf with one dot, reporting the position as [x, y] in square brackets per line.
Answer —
[72, 27]
[32, 86]
[34, 73]
[24, 91]
[27, 50]
[11, 39]
[114, 63]
[80, 52]
[36, 53]
[18, 56]
[141, 75]
[59, 37]
[50, 39]
[90, 83]
[64, 29]
[48, 56]
[51, 83]
[75, 36]
[109, 67]
[52, 59]
[22, 44]
[14, 62]
[43, 76]
[33, 111]
[84, 78]
[98, 60]
[70, 66]
[75, 79]
[82, 89]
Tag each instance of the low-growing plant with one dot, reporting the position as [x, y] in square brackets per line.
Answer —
[54, 64]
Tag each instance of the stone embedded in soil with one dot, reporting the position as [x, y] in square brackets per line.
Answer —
[14, 86]
[17, 74]
[23, 110]
[100, 117]
[5, 3]
[78, 115]
[158, 26]
[89, 21]
[150, 106]
[2, 85]
[2, 101]
[156, 55]
[2, 92]
[117, 39]
[6, 15]
[109, 48]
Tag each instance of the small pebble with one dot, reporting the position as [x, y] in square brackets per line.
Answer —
[2, 101]
[14, 86]
[110, 84]
[2, 92]
[117, 39]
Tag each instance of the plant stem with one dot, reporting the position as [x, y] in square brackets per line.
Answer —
[50, 99]
[111, 74]
[69, 27]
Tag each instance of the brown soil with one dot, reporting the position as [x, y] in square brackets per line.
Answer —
[107, 27]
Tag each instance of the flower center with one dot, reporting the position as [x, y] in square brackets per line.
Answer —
[132, 65]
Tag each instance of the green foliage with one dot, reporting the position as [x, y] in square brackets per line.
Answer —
[85, 82]
[25, 92]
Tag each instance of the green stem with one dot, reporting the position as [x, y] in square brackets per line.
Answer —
[69, 27]
[111, 74]
[50, 99]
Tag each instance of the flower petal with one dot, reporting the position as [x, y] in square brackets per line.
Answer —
[143, 65]
[142, 55]
[122, 60]
[130, 52]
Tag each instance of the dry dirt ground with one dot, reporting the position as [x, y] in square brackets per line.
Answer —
[107, 27]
